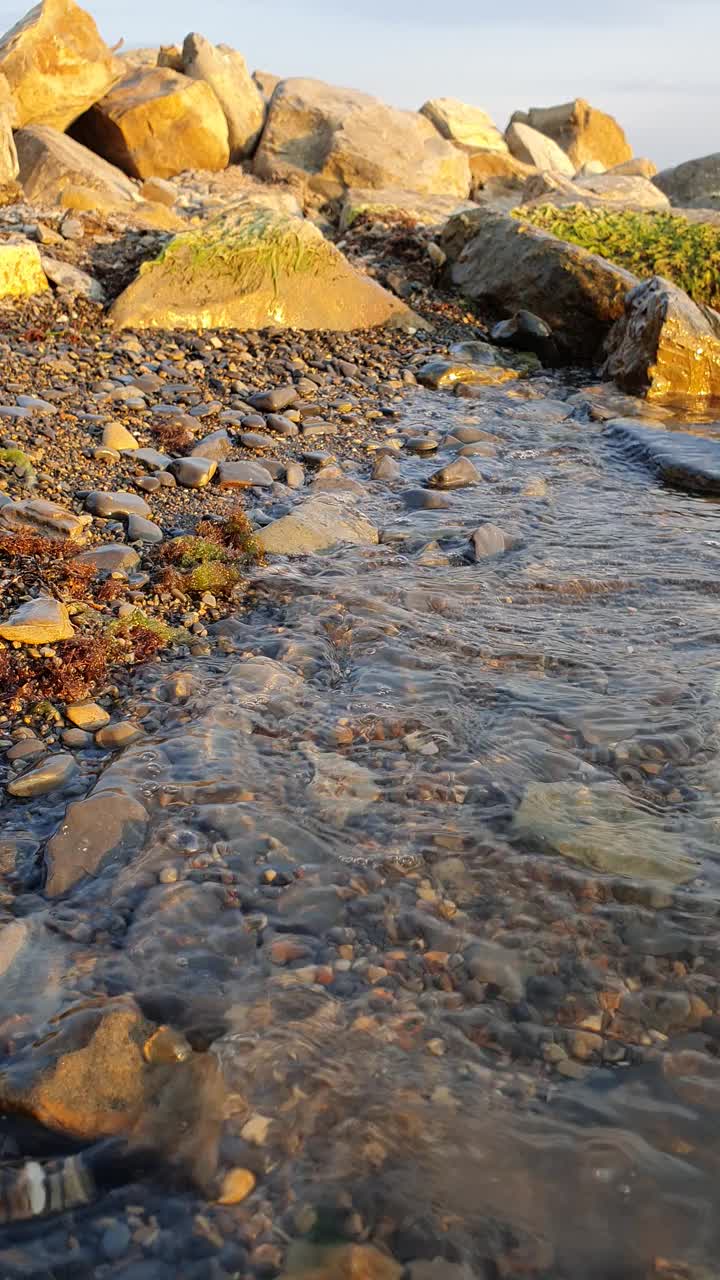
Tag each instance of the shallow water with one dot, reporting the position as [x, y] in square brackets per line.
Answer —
[482, 802]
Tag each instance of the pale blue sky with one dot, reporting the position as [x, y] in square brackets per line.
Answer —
[652, 63]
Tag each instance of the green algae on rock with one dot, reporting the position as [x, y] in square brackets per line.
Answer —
[253, 267]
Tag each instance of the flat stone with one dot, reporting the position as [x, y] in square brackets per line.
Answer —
[113, 557]
[77, 738]
[319, 523]
[243, 475]
[337, 484]
[193, 473]
[312, 427]
[152, 459]
[456, 475]
[683, 461]
[254, 440]
[281, 425]
[117, 503]
[141, 530]
[294, 475]
[41, 621]
[116, 436]
[276, 400]
[425, 500]
[72, 279]
[26, 749]
[422, 444]
[106, 825]
[87, 715]
[36, 515]
[217, 445]
[52, 772]
[113, 737]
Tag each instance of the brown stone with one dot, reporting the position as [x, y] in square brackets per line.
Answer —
[664, 345]
[493, 166]
[56, 64]
[157, 123]
[8, 152]
[37, 515]
[87, 1077]
[340, 1262]
[105, 825]
[509, 266]
[582, 131]
[468, 127]
[340, 138]
[41, 621]
[51, 163]
[225, 70]
[638, 167]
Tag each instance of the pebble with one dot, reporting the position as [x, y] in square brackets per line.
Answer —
[244, 475]
[237, 1185]
[26, 749]
[456, 475]
[193, 473]
[276, 400]
[116, 736]
[425, 500]
[118, 503]
[111, 557]
[141, 530]
[115, 1241]
[40, 621]
[87, 715]
[116, 436]
[152, 459]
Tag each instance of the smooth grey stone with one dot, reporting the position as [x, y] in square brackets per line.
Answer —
[217, 445]
[52, 772]
[425, 500]
[490, 540]
[113, 557]
[387, 469]
[116, 503]
[318, 427]
[294, 475]
[141, 530]
[243, 475]
[276, 400]
[456, 475]
[254, 440]
[153, 459]
[281, 425]
[193, 473]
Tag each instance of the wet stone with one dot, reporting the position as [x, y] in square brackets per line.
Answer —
[456, 475]
[114, 737]
[87, 715]
[52, 772]
[254, 440]
[26, 749]
[425, 500]
[118, 503]
[490, 540]
[244, 475]
[422, 444]
[36, 515]
[105, 825]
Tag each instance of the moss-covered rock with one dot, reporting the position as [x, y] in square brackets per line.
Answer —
[253, 267]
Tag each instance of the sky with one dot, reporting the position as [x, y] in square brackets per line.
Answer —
[650, 63]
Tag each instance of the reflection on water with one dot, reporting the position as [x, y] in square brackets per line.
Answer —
[431, 872]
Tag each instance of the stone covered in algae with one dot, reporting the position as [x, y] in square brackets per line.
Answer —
[253, 267]
[601, 827]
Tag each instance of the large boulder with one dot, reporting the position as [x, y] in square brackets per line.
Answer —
[253, 267]
[488, 168]
[339, 138]
[692, 181]
[532, 147]
[638, 167]
[582, 131]
[8, 152]
[56, 64]
[664, 345]
[225, 70]
[509, 266]
[156, 123]
[21, 272]
[51, 162]
[601, 190]
[468, 127]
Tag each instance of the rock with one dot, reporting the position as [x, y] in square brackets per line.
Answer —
[510, 266]
[306, 1261]
[244, 475]
[117, 436]
[9, 167]
[51, 773]
[51, 162]
[492, 167]
[108, 825]
[683, 461]
[40, 621]
[37, 515]
[691, 182]
[601, 827]
[319, 523]
[193, 473]
[114, 737]
[431, 211]
[535, 148]
[456, 475]
[489, 540]
[21, 273]
[275, 400]
[116, 503]
[638, 167]
[467, 127]
[157, 123]
[159, 191]
[87, 715]
[217, 445]
[266, 82]
[251, 268]
[582, 131]
[56, 64]
[440, 374]
[141, 530]
[225, 70]
[604, 190]
[86, 1080]
[664, 344]
[525, 332]
[113, 557]
[236, 1186]
[72, 279]
[152, 459]
[387, 469]
[340, 139]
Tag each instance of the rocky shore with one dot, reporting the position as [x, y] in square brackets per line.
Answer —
[359, 816]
